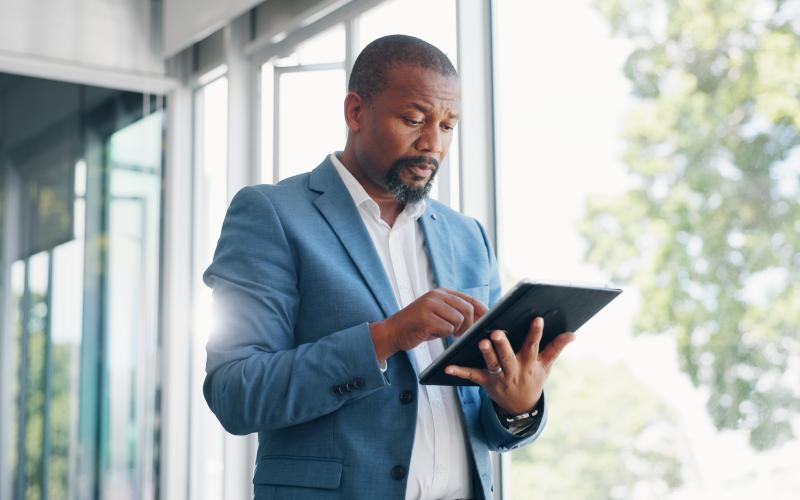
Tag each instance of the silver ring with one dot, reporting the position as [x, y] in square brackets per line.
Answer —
[496, 371]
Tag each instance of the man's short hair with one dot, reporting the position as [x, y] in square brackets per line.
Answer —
[368, 77]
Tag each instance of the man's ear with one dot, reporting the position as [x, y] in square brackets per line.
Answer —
[353, 111]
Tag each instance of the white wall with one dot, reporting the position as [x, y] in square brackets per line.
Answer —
[123, 36]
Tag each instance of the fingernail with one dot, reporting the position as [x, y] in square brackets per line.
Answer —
[449, 370]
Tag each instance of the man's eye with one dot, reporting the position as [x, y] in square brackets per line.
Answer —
[447, 127]
[412, 122]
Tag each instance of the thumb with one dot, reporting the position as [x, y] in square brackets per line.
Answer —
[550, 353]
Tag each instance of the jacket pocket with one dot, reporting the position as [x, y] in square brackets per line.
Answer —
[309, 472]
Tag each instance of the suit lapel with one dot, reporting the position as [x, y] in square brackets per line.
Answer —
[439, 247]
[337, 207]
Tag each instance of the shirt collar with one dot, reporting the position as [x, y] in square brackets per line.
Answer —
[360, 196]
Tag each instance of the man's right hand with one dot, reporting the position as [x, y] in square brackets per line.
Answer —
[437, 314]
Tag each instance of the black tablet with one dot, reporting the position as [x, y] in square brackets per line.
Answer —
[563, 307]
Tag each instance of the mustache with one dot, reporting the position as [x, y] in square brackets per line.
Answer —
[410, 161]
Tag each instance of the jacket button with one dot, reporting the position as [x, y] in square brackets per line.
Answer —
[358, 383]
[406, 397]
[398, 472]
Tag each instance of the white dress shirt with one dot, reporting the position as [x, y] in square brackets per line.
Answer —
[440, 467]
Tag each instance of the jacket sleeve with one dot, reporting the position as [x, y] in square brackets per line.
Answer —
[257, 378]
[498, 438]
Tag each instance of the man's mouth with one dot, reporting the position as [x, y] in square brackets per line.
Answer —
[420, 170]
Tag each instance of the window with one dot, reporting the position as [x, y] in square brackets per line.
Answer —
[662, 159]
[302, 96]
[84, 167]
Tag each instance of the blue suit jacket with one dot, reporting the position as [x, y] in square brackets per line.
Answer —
[296, 281]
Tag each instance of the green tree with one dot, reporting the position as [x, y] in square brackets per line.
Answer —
[608, 436]
[710, 234]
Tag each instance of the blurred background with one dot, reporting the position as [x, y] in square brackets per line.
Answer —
[649, 144]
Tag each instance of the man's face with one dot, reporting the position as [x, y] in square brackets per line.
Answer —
[405, 130]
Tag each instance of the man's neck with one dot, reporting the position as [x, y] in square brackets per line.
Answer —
[389, 205]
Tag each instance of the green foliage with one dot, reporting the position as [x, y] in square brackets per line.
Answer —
[710, 235]
[607, 437]
[34, 424]
[61, 418]
[58, 426]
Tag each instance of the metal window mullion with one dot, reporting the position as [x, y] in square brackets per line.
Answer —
[241, 134]
[276, 112]
[48, 376]
[103, 415]
[477, 130]
[176, 287]
[303, 68]
[351, 42]
[9, 348]
[239, 452]
[196, 183]
[255, 111]
[22, 407]
[144, 411]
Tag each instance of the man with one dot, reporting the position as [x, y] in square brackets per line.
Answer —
[337, 286]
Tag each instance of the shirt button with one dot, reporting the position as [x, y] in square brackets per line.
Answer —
[398, 472]
[406, 397]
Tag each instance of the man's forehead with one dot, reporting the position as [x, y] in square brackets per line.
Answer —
[415, 84]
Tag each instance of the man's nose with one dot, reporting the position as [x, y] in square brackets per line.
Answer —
[431, 140]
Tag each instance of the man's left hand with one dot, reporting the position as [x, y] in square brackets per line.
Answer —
[514, 381]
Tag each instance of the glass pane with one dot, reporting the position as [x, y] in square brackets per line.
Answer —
[66, 337]
[327, 47]
[129, 417]
[210, 202]
[212, 163]
[311, 119]
[66, 329]
[672, 173]
[36, 321]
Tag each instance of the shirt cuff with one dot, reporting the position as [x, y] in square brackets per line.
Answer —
[526, 427]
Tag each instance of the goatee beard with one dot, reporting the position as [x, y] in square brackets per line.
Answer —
[409, 194]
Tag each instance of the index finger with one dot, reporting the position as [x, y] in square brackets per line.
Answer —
[478, 306]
